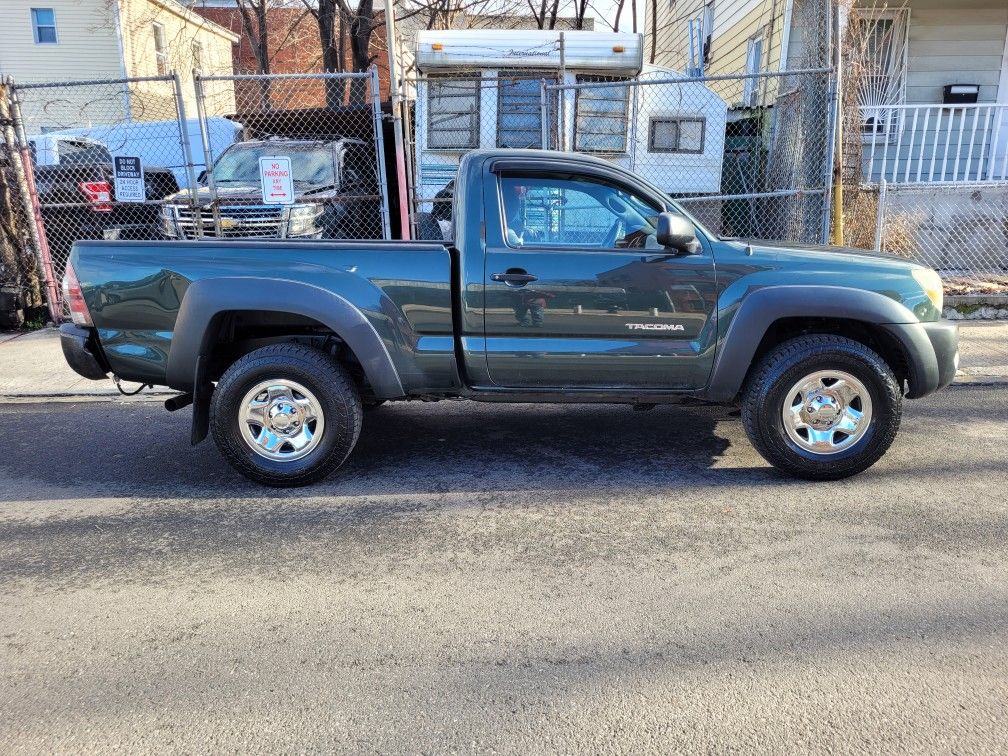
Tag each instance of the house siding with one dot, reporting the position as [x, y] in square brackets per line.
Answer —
[734, 25]
[86, 49]
[89, 49]
[154, 101]
[955, 43]
[946, 44]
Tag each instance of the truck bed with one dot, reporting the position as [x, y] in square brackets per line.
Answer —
[135, 292]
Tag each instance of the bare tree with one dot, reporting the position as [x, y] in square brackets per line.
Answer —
[343, 26]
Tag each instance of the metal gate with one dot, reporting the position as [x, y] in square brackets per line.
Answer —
[747, 154]
[148, 159]
[100, 159]
[324, 130]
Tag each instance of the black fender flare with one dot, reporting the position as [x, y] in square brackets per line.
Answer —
[759, 309]
[207, 298]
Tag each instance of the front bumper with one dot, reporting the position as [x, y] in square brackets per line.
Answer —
[932, 354]
[944, 338]
[79, 352]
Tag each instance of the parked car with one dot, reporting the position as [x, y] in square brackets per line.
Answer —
[335, 182]
[76, 191]
[159, 142]
[569, 280]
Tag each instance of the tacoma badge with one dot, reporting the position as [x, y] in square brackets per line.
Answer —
[655, 327]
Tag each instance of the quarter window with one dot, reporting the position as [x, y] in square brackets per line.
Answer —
[44, 26]
[519, 109]
[453, 114]
[601, 115]
[160, 49]
[575, 213]
[685, 135]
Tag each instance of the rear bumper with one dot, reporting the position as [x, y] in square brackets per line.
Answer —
[77, 351]
[932, 354]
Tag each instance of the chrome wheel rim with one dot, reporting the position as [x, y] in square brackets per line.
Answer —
[281, 420]
[827, 412]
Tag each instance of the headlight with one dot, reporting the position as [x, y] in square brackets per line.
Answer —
[169, 220]
[301, 220]
[932, 284]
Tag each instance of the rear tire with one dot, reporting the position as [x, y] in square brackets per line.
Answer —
[822, 407]
[286, 415]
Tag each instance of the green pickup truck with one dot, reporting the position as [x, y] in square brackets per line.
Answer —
[568, 280]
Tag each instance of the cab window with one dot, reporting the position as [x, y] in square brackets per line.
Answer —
[575, 212]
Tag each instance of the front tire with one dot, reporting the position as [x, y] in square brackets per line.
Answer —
[822, 407]
[286, 415]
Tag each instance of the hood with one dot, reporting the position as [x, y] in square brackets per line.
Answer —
[813, 253]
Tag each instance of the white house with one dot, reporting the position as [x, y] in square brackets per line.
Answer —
[74, 40]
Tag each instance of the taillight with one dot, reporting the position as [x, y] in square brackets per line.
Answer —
[74, 298]
[99, 194]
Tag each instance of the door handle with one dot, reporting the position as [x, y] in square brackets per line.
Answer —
[514, 278]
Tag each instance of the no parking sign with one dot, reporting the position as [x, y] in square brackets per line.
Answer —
[277, 181]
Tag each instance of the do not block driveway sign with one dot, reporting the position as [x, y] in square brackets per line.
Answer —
[128, 177]
[277, 181]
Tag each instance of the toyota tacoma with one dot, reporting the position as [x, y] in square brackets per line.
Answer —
[569, 279]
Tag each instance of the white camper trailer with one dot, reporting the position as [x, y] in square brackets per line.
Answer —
[482, 89]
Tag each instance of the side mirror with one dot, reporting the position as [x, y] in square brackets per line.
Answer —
[675, 232]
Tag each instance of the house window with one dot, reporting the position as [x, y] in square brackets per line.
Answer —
[600, 123]
[453, 114]
[519, 109]
[754, 65]
[160, 49]
[683, 135]
[197, 55]
[44, 26]
[708, 32]
[881, 39]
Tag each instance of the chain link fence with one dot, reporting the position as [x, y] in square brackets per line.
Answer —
[104, 157]
[324, 131]
[235, 157]
[960, 230]
[746, 154]
[462, 111]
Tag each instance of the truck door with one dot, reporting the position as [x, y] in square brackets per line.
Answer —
[579, 294]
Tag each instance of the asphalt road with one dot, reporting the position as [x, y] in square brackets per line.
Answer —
[503, 578]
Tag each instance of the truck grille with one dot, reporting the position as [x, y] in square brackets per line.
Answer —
[237, 222]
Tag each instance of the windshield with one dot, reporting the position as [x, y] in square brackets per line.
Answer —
[240, 164]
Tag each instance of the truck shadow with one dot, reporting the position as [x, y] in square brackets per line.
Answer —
[404, 448]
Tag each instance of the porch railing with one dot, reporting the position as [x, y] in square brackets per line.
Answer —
[912, 144]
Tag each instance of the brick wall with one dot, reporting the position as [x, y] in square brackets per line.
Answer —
[294, 47]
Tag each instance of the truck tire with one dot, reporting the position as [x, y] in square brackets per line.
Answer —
[286, 415]
[822, 407]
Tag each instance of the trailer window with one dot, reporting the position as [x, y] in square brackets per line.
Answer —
[600, 123]
[519, 109]
[452, 113]
[676, 135]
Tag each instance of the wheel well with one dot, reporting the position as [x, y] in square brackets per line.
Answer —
[872, 336]
[234, 333]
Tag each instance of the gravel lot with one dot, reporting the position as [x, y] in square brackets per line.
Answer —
[503, 578]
